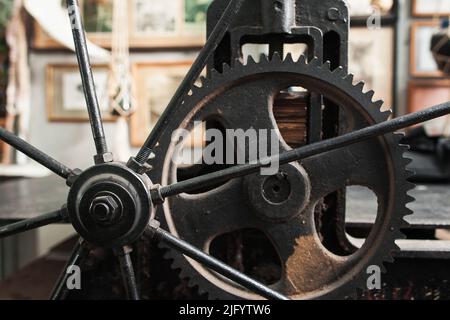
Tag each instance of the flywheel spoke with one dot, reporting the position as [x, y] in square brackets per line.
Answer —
[34, 223]
[214, 264]
[87, 78]
[79, 253]
[127, 271]
[35, 154]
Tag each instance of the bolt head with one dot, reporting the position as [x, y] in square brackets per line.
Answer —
[333, 14]
[103, 158]
[105, 210]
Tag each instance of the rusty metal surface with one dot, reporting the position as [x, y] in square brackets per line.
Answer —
[29, 198]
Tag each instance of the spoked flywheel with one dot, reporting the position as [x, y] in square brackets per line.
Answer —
[285, 207]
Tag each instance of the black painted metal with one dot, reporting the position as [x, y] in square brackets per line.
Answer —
[127, 271]
[35, 154]
[87, 78]
[216, 265]
[22, 226]
[127, 198]
[211, 45]
[60, 292]
[307, 151]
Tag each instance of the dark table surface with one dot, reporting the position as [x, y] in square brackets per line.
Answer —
[28, 198]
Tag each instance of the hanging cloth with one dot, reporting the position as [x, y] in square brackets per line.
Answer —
[120, 78]
[18, 89]
[50, 13]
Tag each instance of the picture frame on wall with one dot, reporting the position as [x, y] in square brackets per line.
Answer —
[65, 96]
[152, 24]
[431, 8]
[425, 93]
[372, 60]
[149, 79]
[422, 62]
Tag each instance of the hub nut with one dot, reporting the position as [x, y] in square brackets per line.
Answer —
[105, 210]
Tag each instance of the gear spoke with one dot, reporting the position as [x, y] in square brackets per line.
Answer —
[79, 254]
[205, 213]
[34, 223]
[216, 265]
[35, 154]
[301, 252]
[353, 165]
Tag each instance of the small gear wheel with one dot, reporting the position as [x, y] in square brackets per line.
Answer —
[242, 97]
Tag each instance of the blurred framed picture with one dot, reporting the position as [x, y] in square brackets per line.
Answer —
[156, 83]
[371, 59]
[195, 12]
[422, 62]
[152, 24]
[423, 94]
[156, 18]
[431, 8]
[65, 95]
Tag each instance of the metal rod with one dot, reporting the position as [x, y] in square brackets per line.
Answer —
[35, 154]
[87, 77]
[307, 151]
[211, 45]
[61, 291]
[127, 271]
[216, 265]
[29, 224]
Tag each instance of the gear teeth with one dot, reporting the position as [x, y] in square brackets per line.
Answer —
[214, 73]
[203, 81]
[360, 86]
[327, 65]
[314, 62]
[410, 199]
[407, 161]
[370, 94]
[350, 78]
[302, 59]
[405, 225]
[276, 57]
[289, 58]
[339, 71]
[263, 58]
[409, 174]
[226, 69]
[386, 114]
[250, 60]
[379, 103]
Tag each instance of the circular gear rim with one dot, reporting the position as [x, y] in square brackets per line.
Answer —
[342, 81]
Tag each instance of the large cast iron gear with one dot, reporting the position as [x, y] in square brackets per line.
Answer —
[241, 97]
